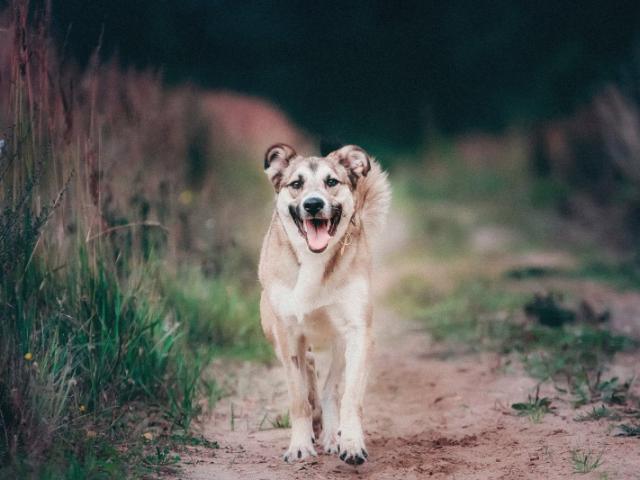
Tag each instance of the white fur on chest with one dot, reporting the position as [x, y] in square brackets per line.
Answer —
[344, 299]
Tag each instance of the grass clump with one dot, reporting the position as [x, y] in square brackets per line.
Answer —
[475, 313]
[535, 407]
[217, 313]
[597, 413]
[629, 430]
[585, 462]
[281, 420]
[103, 346]
[553, 343]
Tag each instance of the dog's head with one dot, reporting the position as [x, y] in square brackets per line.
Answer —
[316, 196]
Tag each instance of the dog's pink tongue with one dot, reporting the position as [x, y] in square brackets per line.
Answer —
[317, 237]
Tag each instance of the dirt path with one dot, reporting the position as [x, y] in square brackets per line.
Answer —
[427, 415]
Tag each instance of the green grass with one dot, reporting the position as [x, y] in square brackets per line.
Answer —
[484, 315]
[281, 421]
[597, 413]
[104, 343]
[218, 315]
[585, 461]
[629, 430]
[621, 275]
[474, 314]
[535, 407]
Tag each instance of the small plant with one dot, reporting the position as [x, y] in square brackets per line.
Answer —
[590, 388]
[547, 310]
[194, 441]
[162, 458]
[585, 462]
[281, 421]
[629, 430]
[535, 407]
[596, 413]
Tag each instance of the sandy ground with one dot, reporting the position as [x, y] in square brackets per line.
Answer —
[428, 414]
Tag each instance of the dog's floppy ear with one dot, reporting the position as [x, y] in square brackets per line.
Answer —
[276, 160]
[355, 160]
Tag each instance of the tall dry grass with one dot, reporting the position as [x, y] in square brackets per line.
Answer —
[121, 272]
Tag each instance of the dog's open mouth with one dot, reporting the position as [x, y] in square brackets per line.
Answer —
[317, 231]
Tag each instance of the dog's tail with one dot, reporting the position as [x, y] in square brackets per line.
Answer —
[375, 195]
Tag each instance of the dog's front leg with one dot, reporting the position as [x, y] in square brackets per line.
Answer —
[358, 344]
[292, 348]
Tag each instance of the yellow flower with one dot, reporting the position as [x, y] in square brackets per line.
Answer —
[148, 435]
[82, 408]
[28, 356]
[186, 197]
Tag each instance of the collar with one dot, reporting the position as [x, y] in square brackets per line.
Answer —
[348, 237]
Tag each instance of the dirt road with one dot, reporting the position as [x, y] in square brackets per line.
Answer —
[428, 414]
[426, 417]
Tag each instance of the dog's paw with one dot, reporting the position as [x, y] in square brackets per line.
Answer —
[351, 448]
[299, 452]
[329, 441]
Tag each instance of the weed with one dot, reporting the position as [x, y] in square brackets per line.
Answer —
[629, 430]
[94, 319]
[476, 313]
[194, 441]
[597, 413]
[161, 458]
[217, 315]
[281, 421]
[547, 310]
[585, 462]
[535, 407]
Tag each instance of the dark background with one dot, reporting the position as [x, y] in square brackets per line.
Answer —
[376, 71]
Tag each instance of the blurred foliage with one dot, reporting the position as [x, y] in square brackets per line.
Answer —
[370, 71]
[104, 342]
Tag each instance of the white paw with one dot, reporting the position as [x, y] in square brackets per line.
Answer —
[299, 452]
[351, 446]
[329, 440]
[302, 440]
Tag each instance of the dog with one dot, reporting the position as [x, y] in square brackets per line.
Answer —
[315, 271]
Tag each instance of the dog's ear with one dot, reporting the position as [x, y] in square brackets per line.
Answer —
[276, 160]
[355, 160]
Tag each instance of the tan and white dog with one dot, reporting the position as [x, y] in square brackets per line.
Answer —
[315, 270]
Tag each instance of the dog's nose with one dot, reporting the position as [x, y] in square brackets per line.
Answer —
[313, 205]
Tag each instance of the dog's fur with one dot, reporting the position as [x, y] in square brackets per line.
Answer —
[317, 294]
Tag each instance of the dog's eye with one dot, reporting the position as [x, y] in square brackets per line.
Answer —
[332, 182]
[297, 185]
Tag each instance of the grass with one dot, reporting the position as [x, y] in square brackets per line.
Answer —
[621, 275]
[281, 421]
[489, 315]
[597, 413]
[535, 407]
[585, 461]
[217, 313]
[474, 314]
[629, 430]
[104, 341]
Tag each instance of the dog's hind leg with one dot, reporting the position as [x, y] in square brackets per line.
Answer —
[331, 397]
[314, 401]
[291, 349]
[292, 353]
